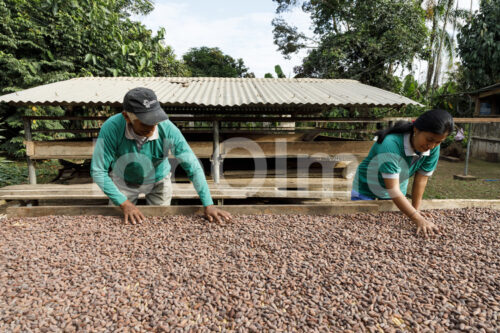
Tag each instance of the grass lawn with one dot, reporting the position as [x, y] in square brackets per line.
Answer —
[442, 185]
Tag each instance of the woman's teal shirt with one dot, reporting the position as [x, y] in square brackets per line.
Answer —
[393, 158]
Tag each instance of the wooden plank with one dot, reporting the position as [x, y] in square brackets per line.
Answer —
[334, 208]
[310, 183]
[60, 149]
[486, 139]
[30, 148]
[489, 93]
[64, 118]
[84, 149]
[235, 148]
[227, 118]
[258, 137]
[226, 194]
[235, 182]
[245, 149]
[477, 120]
[330, 209]
[88, 130]
[180, 191]
[259, 119]
[388, 205]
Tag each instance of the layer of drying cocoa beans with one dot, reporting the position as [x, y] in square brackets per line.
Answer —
[358, 272]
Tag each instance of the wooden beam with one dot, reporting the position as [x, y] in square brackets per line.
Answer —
[245, 149]
[388, 205]
[216, 158]
[63, 118]
[478, 120]
[334, 208]
[458, 120]
[330, 209]
[490, 93]
[263, 118]
[180, 191]
[31, 166]
[88, 130]
[83, 149]
[486, 139]
[204, 149]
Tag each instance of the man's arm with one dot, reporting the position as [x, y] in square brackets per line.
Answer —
[189, 162]
[102, 157]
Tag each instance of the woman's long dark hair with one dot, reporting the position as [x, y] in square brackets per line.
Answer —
[436, 121]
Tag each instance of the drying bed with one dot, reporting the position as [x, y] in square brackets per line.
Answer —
[259, 272]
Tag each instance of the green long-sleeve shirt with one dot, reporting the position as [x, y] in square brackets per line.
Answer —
[146, 166]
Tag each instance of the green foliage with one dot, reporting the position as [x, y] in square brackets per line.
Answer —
[362, 40]
[168, 65]
[212, 62]
[12, 172]
[44, 41]
[14, 146]
[479, 46]
[278, 71]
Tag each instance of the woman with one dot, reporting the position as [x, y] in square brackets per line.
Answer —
[401, 151]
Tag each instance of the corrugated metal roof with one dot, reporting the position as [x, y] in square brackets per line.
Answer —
[203, 92]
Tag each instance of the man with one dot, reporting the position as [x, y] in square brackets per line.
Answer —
[135, 144]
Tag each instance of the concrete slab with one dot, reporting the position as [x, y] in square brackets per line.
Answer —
[464, 177]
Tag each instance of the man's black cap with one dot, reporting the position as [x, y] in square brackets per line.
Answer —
[145, 105]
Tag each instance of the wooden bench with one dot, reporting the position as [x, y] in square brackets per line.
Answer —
[230, 186]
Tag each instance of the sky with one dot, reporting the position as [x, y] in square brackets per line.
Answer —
[240, 28]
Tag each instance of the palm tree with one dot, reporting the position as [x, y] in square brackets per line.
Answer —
[448, 49]
[449, 5]
[440, 39]
[432, 8]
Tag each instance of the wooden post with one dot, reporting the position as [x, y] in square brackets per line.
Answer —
[216, 154]
[31, 166]
[469, 138]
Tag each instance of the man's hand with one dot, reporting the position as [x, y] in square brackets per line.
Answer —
[424, 226]
[131, 213]
[211, 213]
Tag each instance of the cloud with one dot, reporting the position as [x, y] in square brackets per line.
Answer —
[247, 36]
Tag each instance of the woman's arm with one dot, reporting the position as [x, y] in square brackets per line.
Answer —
[417, 192]
[424, 226]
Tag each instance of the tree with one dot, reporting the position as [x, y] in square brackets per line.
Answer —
[43, 41]
[441, 42]
[478, 46]
[278, 71]
[363, 40]
[212, 62]
[449, 5]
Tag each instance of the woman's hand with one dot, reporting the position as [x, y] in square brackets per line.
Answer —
[131, 213]
[211, 213]
[424, 226]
